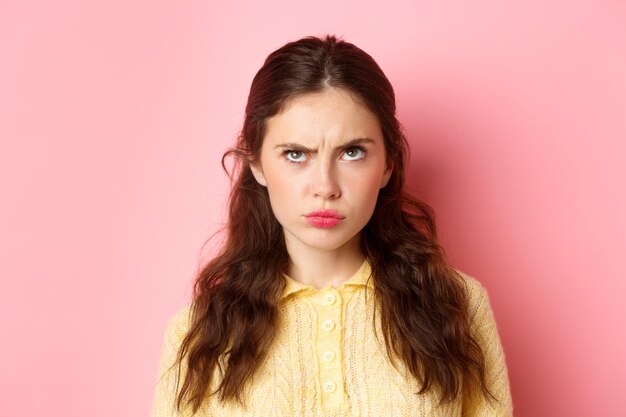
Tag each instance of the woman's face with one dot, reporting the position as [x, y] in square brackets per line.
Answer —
[323, 152]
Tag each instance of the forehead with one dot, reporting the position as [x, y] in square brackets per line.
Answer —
[332, 114]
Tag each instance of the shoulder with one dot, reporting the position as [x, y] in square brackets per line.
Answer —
[178, 324]
[476, 293]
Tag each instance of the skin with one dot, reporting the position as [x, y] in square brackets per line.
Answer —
[310, 161]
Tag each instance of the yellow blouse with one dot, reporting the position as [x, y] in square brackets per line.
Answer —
[328, 361]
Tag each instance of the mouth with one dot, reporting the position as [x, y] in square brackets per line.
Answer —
[324, 218]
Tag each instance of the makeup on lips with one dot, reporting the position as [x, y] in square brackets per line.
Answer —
[324, 218]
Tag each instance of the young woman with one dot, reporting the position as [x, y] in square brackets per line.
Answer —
[331, 295]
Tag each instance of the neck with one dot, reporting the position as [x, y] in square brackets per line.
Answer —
[320, 268]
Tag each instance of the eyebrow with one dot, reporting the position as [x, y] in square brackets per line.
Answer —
[348, 144]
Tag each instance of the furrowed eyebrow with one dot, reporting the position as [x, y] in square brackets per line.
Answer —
[348, 144]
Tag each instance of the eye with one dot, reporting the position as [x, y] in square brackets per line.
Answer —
[294, 156]
[354, 153]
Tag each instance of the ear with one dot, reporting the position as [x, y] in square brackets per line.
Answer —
[257, 171]
[386, 176]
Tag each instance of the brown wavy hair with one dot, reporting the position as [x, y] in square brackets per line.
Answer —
[422, 299]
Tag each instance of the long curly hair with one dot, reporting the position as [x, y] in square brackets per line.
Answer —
[422, 299]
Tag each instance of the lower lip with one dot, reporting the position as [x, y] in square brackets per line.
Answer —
[324, 222]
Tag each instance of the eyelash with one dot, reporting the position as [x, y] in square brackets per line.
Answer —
[286, 152]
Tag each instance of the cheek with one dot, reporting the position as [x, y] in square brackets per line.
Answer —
[366, 183]
[363, 193]
[277, 176]
[282, 189]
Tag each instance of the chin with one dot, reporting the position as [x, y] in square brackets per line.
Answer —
[326, 242]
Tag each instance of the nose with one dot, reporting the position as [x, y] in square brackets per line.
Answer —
[325, 183]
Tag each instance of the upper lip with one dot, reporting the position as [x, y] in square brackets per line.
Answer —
[325, 213]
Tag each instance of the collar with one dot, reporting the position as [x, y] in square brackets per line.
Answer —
[362, 277]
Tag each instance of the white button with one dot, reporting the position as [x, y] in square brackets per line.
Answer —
[328, 356]
[329, 386]
[329, 298]
[328, 325]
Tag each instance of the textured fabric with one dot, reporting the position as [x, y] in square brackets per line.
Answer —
[327, 360]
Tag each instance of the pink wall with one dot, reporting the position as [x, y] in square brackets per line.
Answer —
[114, 115]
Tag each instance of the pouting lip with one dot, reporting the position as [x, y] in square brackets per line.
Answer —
[325, 213]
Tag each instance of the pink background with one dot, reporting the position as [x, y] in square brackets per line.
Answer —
[114, 116]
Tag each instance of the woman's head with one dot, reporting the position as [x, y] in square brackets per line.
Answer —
[323, 162]
[314, 65]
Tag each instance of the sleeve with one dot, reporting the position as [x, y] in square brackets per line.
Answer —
[165, 388]
[484, 330]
